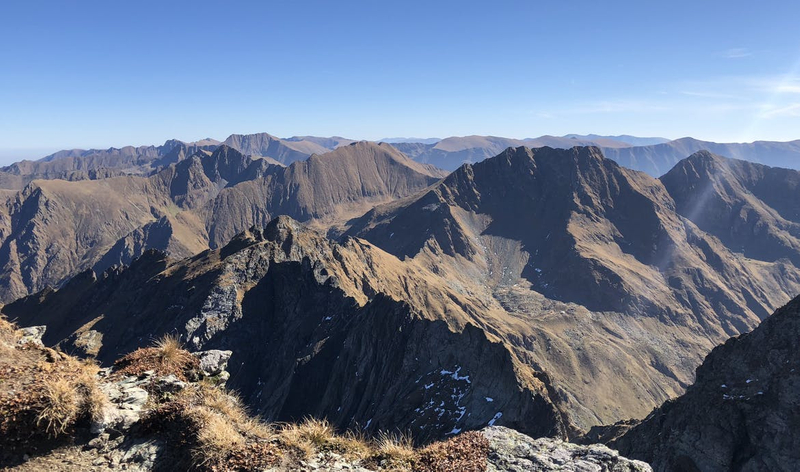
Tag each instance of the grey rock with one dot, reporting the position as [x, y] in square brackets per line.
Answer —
[139, 456]
[213, 362]
[126, 400]
[170, 384]
[511, 451]
[32, 334]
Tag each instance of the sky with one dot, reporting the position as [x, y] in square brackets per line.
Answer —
[88, 74]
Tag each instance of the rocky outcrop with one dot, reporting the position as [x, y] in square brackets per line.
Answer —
[510, 451]
[32, 334]
[740, 414]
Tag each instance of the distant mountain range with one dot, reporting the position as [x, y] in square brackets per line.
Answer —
[652, 155]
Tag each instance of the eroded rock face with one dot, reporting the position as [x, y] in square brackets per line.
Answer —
[309, 327]
[510, 451]
[742, 413]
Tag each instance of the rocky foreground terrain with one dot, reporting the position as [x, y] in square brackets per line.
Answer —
[162, 408]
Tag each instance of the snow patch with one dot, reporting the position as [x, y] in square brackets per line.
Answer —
[496, 417]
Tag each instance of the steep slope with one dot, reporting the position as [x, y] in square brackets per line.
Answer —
[329, 189]
[352, 334]
[55, 229]
[611, 291]
[751, 208]
[740, 414]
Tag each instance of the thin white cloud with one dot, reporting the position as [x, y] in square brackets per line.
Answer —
[791, 110]
[787, 88]
[737, 53]
[701, 94]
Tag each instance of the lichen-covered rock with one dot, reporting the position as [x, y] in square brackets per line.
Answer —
[32, 334]
[511, 451]
[213, 362]
[126, 398]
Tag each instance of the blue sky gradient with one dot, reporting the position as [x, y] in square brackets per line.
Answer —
[99, 74]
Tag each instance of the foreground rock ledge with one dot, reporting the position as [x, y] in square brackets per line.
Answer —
[511, 451]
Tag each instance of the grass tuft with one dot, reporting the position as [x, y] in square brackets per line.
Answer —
[60, 406]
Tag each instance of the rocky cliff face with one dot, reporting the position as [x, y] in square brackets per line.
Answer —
[350, 334]
[546, 227]
[54, 229]
[740, 414]
[751, 208]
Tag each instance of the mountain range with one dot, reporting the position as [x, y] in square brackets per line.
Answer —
[599, 289]
[551, 290]
[53, 229]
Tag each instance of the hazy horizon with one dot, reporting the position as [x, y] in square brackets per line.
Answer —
[98, 74]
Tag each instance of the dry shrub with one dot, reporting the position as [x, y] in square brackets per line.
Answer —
[166, 357]
[466, 452]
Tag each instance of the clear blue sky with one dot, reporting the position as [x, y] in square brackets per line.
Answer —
[111, 73]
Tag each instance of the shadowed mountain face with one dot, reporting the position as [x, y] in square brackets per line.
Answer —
[740, 414]
[351, 333]
[55, 229]
[751, 208]
[574, 228]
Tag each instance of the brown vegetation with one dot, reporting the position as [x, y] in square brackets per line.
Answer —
[165, 357]
[44, 394]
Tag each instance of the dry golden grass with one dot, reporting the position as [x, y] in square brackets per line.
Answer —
[60, 406]
[225, 403]
[353, 445]
[217, 438]
[398, 448]
[169, 349]
[305, 437]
